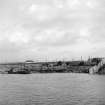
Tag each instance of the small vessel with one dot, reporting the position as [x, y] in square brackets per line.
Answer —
[21, 71]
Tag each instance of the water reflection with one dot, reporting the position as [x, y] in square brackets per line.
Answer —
[52, 89]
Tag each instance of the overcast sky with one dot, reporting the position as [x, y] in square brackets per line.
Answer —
[51, 29]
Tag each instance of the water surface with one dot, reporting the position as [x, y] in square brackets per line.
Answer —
[52, 89]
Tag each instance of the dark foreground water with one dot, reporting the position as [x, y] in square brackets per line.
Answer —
[52, 89]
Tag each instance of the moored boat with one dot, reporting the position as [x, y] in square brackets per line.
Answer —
[19, 71]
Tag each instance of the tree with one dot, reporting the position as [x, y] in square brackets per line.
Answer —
[59, 63]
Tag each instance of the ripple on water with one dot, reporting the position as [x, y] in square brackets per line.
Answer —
[52, 89]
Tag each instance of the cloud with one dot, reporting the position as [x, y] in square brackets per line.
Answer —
[19, 38]
[41, 12]
[52, 28]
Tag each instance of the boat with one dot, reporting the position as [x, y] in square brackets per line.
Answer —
[20, 71]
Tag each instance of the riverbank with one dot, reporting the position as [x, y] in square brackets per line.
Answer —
[51, 67]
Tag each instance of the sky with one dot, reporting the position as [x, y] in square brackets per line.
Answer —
[51, 29]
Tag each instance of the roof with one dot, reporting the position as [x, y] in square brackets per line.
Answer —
[28, 61]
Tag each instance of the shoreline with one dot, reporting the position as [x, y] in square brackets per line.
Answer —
[52, 67]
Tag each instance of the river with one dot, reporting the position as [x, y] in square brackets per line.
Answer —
[52, 89]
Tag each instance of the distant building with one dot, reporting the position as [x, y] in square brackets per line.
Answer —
[29, 61]
[95, 60]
